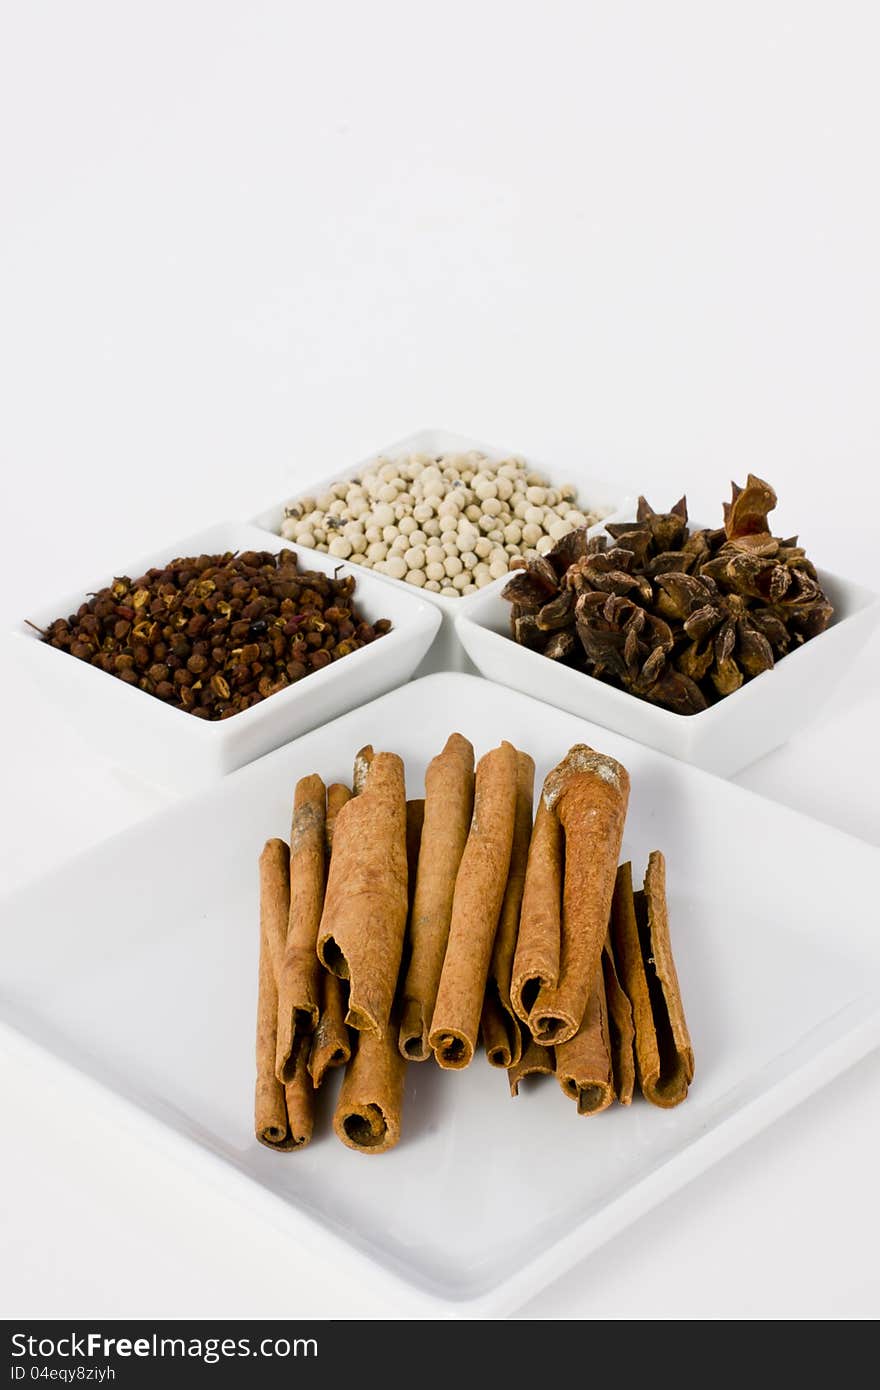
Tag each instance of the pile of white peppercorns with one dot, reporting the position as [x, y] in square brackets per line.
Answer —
[450, 524]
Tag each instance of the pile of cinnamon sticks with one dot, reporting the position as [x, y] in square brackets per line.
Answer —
[395, 930]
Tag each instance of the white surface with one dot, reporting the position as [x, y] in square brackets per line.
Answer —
[456, 1220]
[172, 749]
[603, 498]
[242, 246]
[724, 738]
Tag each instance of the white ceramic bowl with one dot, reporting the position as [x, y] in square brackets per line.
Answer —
[446, 653]
[728, 736]
[169, 747]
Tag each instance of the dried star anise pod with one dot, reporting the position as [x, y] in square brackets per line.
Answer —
[676, 617]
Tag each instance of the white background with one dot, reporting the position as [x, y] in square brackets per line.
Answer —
[243, 244]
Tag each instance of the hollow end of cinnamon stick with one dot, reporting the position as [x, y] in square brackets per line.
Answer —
[500, 1031]
[270, 1114]
[273, 1136]
[299, 1098]
[452, 1049]
[535, 1060]
[333, 958]
[413, 1035]
[592, 1098]
[365, 1128]
[552, 1027]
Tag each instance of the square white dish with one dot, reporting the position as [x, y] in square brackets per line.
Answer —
[724, 738]
[173, 749]
[151, 991]
[446, 653]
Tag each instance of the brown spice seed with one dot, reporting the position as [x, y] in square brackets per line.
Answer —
[216, 634]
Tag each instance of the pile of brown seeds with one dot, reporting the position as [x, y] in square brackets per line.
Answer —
[215, 634]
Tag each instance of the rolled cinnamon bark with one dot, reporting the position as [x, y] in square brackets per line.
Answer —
[476, 904]
[360, 938]
[643, 952]
[331, 1045]
[337, 795]
[299, 1001]
[273, 1124]
[620, 1027]
[502, 1037]
[299, 1097]
[449, 799]
[536, 960]
[534, 1059]
[368, 1110]
[589, 793]
[583, 1064]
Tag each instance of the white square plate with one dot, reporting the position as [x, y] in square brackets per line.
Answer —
[137, 964]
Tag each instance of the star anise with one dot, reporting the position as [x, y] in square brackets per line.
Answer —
[676, 617]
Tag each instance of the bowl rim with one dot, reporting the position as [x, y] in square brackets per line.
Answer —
[253, 538]
[418, 441]
[868, 599]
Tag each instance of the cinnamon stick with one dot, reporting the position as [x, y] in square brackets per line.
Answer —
[643, 952]
[299, 976]
[536, 960]
[589, 793]
[449, 798]
[583, 1063]
[282, 1116]
[502, 1036]
[337, 795]
[299, 1097]
[331, 1045]
[535, 1059]
[360, 938]
[476, 904]
[368, 1110]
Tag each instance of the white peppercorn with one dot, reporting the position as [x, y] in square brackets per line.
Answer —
[477, 512]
